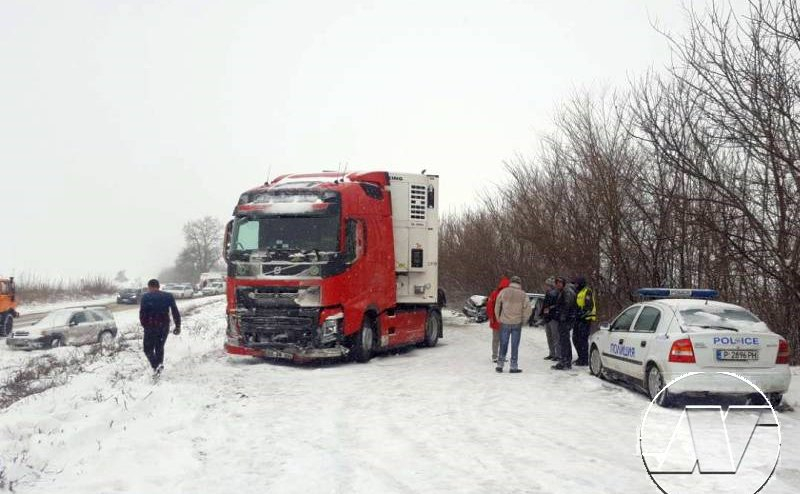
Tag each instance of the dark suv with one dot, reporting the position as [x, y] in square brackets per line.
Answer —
[130, 295]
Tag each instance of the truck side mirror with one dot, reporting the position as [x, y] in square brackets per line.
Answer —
[226, 242]
[355, 240]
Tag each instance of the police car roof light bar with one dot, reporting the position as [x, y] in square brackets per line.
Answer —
[654, 293]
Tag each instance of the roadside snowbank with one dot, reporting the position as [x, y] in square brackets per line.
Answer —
[424, 420]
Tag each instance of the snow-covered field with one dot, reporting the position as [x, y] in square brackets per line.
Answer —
[127, 324]
[424, 420]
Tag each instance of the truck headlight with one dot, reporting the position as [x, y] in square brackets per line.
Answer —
[330, 327]
[309, 296]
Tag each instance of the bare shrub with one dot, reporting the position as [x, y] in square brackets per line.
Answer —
[33, 288]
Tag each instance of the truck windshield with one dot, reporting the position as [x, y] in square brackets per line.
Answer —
[286, 233]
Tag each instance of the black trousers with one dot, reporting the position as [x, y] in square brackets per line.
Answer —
[565, 346]
[580, 338]
[154, 340]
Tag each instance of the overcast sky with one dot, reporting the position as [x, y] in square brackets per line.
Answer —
[120, 121]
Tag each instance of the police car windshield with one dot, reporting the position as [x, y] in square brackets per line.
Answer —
[721, 318]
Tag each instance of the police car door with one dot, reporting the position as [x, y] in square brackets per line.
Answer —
[638, 342]
[618, 333]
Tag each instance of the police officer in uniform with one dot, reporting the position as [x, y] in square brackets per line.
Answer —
[587, 314]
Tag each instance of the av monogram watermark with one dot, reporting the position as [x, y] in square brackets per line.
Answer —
[708, 448]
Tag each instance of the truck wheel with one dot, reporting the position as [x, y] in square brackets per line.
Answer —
[6, 324]
[364, 341]
[432, 326]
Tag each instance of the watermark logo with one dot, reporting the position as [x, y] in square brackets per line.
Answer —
[707, 448]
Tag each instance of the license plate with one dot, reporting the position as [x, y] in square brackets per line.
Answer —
[278, 354]
[737, 354]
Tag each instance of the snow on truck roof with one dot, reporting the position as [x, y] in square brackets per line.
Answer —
[378, 178]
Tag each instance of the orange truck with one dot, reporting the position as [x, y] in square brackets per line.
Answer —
[8, 305]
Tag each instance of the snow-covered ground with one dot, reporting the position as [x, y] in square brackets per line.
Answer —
[127, 324]
[424, 420]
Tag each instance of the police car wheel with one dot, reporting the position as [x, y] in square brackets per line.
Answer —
[775, 399]
[655, 383]
[596, 363]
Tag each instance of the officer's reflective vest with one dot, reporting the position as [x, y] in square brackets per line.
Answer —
[581, 301]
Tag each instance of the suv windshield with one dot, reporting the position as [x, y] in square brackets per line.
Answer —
[55, 318]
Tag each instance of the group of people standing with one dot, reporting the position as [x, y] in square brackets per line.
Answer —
[568, 309]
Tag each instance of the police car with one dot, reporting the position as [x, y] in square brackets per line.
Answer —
[677, 331]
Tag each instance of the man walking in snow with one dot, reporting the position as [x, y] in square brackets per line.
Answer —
[512, 309]
[494, 324]
[154, 310]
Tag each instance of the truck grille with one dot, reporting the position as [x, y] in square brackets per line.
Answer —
[280, 327]
[266, 297]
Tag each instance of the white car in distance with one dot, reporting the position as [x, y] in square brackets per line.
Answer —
[214, 288]
[179, 290]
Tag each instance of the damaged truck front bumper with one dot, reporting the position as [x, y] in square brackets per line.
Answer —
[288, 353]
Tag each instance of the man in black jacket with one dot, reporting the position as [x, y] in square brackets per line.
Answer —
[551, 323]
[154, 310]
[567, 311]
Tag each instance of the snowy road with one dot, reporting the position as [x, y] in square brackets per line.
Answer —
[425, 420]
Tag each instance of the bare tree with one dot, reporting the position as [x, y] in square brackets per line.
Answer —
[203, 248]
[690, 179]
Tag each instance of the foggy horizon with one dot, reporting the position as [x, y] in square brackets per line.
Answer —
[124, 121]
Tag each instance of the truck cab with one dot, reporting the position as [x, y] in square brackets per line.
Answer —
[329, 265]
[8, 305]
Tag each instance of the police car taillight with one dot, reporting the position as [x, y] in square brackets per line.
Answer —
[783, 352]
[682, 352]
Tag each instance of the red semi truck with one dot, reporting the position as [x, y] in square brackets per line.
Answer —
[331, 265]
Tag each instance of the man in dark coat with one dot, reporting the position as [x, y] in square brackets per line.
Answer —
[154, 311]
[551, 323]
[567, 311]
